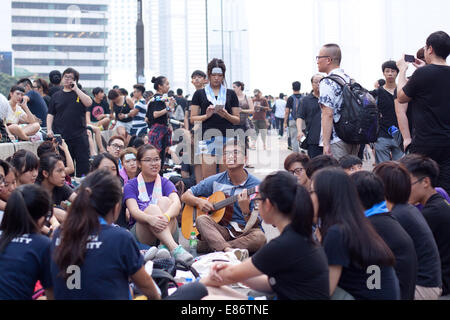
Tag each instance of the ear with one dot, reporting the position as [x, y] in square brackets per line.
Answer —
[45, 174]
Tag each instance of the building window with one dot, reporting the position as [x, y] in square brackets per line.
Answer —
[64, 49]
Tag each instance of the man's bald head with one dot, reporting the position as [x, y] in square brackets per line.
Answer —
[334, 52]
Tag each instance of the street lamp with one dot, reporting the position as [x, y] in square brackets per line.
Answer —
[230, 32]
[103, 14]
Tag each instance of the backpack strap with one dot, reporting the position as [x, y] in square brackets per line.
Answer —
[336, 78]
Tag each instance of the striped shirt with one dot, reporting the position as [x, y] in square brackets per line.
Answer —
[139, 120]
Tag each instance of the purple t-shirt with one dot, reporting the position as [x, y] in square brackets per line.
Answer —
[131, 191]
[442, 192]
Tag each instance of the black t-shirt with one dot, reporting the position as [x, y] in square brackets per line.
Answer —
[354, 279]
[156, 104]
[25, 260]
[53, 90]
[124, 109]
[402, 246]
[437, 214]
[69, 115]
[429, 262]
[98, 109]
[61, 194]
[386, 107]
[297, 268]
[112, 256]
[309, 111]
[182, 102]
[430, 93]
[38, 106]
[293, 105]
[216, 121]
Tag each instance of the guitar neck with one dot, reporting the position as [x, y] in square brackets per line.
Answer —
[229, 201]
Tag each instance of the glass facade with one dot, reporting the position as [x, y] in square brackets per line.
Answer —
[59, 62]
[56, 6]
[53, 48]
[54, 34]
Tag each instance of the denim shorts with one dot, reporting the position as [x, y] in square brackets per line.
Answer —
[213, 147]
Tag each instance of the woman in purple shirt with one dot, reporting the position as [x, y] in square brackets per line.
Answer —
[154, 204]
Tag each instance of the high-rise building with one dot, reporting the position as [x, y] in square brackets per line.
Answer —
[183, 35]
[55, 34]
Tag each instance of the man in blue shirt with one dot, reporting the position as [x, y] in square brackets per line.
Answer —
[234, 181]
[36, 103]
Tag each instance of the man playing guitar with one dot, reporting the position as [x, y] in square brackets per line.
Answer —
[234, 181]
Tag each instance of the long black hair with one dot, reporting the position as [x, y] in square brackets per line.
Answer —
[48, 163]
[26, 205]
[339, 204]
[99, 158]
[291, 199]
[98, 194]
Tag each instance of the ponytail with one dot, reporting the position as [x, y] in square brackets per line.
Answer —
[98, 195]
[303, 212]
[291, 199]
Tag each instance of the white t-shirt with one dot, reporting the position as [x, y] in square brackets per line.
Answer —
[15, 117]
[280, 108]
[4, 107]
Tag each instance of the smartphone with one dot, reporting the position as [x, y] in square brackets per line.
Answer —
[410, 58]
[219, 107]
[58, 138]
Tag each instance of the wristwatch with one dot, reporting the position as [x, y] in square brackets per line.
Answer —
[168, 108]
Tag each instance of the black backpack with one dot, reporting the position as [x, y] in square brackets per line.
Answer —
[360, 118]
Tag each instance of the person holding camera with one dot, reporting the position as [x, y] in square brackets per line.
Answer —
[67, 116]
[429, 99]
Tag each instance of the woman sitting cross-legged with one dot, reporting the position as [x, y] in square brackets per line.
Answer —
[293, 266]
[154, 204]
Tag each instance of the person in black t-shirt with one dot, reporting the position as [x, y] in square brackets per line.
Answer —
[35, 102]
[424, 176]
[158, 112]
[97, 119]
[309, 111]
[388, 145]
[24, 252]
[397, 190]
[52, 177]
[428, 95]
[290, 118]
[360, 262]
[121, 105]
[217, 109]
[293, 266]
[371, 193]
[67, 117]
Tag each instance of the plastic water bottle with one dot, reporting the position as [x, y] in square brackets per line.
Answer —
[193, 244]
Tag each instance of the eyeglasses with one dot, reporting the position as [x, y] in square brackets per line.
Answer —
[232, 153]
[69, 78]
[116, 146]
[320, 57]
[297, 172]
[2, 180]
[260, 199]
[418, 181]
[155, 160]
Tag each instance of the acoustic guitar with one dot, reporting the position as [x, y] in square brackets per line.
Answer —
[223, 211]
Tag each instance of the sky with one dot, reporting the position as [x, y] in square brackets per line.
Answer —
[286, 35]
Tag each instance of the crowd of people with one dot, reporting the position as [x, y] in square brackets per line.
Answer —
[103, 209]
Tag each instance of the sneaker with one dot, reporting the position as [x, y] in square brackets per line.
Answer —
[162, 254]
[150, 254]
[181, 255]
[241, 254]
